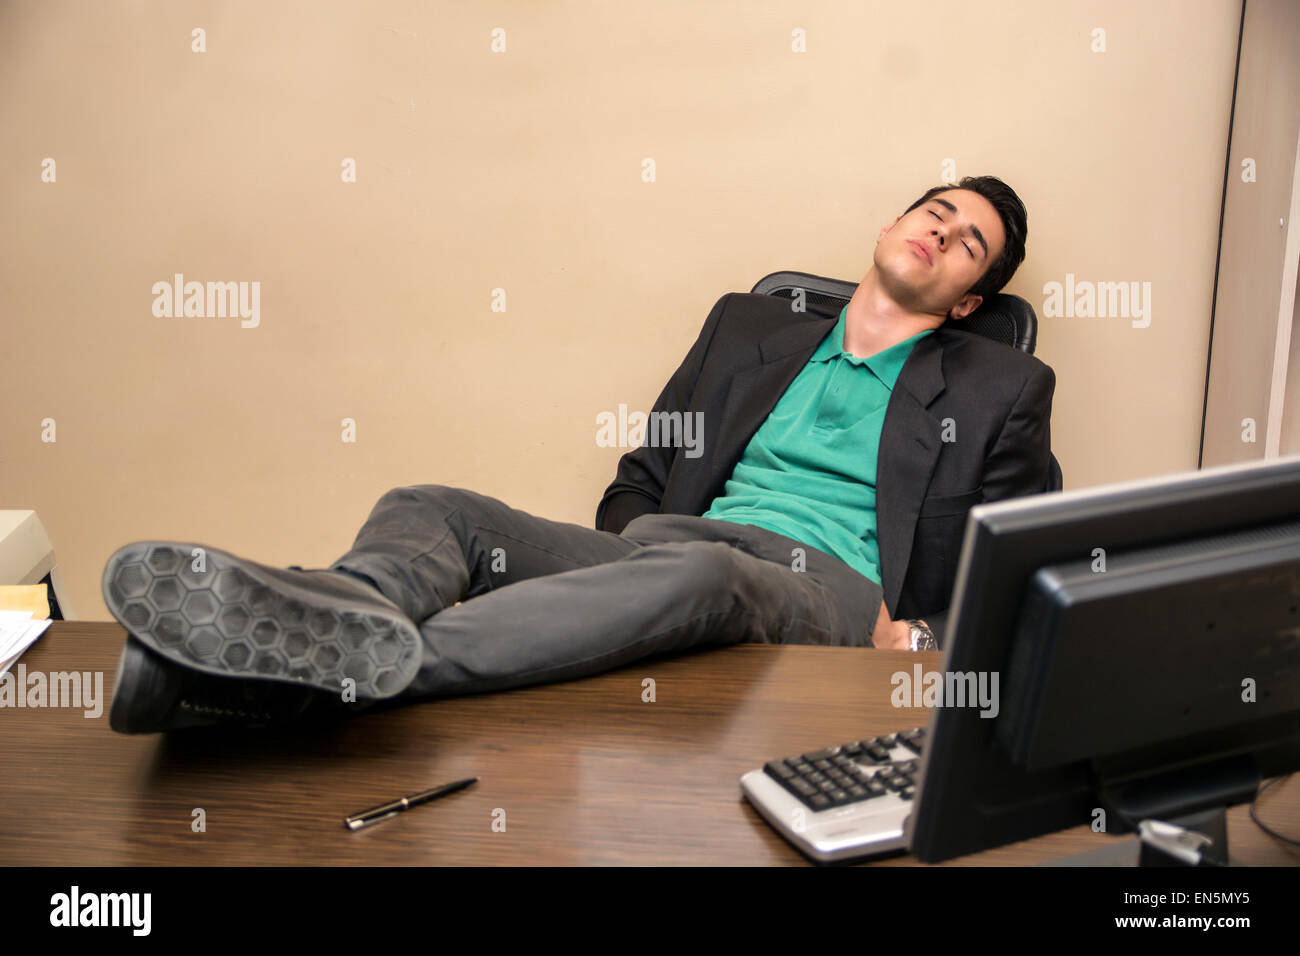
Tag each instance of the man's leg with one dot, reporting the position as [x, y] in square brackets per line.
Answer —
[214, 636]
[543, 601]
[426, 547]
[668, 595]
[854, 601]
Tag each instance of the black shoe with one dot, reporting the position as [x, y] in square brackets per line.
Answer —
[152, 694]
[237, 618]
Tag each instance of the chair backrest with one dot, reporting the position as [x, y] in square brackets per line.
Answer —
[1004, 318]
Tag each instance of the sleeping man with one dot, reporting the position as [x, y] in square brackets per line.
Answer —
[823, 504]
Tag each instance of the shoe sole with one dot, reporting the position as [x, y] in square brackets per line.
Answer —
[234, 619]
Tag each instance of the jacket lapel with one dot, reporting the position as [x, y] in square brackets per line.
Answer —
[909, 447]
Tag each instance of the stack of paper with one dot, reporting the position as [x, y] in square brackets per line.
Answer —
[18, 631]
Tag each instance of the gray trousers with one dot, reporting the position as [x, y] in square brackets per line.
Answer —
[546, 601]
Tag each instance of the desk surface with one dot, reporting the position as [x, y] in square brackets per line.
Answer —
[585, 772]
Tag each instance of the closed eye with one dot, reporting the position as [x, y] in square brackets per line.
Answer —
[940, 218]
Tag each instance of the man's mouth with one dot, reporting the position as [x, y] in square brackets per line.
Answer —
[923, 252]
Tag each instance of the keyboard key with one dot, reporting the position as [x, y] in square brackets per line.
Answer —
[827, 787]
[779, 769]
[895, 783]
[819, 801]
[799, 767]
[858, 792]
[840, 760]
[816, 777]
[875, 786]
[816, 755]
[801, 787]
[907, 766]
[822, 764]
[877, 753]
[907, 793]
[839, 797]
[851, 750]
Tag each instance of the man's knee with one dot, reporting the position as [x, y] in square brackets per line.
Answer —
[460, 507]
[423, 494]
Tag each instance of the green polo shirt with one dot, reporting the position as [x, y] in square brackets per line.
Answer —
[809, 472]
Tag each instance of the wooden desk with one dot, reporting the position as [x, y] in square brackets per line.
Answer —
[585, 772]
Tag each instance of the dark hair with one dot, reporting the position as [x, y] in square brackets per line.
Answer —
[1014, 223]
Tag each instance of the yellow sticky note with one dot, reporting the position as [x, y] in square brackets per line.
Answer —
[25, 597]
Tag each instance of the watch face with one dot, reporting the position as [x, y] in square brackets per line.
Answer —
[922, 639]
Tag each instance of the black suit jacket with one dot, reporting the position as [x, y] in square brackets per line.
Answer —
[994, 402]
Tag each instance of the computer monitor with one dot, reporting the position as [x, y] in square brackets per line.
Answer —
[1145, 641]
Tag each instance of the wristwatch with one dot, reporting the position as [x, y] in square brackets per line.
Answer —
[922, 637]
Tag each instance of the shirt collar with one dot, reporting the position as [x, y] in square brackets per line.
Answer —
[886, 364]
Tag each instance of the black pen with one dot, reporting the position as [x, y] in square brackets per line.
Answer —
[366, 817]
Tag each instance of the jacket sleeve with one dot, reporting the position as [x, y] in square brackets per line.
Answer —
[638, 485]
[1020, 461]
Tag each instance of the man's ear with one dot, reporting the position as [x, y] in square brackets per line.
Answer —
[968, 304]
[885, 229]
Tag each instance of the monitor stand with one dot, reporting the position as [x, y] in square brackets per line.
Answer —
[1135, 852]
[1195, 798]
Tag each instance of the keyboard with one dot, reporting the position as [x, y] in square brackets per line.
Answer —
[842, 802]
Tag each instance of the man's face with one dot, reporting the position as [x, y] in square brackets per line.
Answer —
[929, 258]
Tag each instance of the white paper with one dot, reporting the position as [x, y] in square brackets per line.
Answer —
[17, 633]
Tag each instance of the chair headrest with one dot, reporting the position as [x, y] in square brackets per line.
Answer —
[1005, 318]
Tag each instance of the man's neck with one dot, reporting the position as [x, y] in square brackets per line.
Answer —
[876, 322]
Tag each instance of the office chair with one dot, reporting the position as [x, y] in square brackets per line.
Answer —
[1004, 318]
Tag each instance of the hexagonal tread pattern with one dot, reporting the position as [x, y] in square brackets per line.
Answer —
[233, 619]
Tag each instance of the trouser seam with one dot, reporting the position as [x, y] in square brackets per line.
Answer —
[531, 544]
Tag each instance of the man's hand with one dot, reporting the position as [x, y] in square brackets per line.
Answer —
[892, 634]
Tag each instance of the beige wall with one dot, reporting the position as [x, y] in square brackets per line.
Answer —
[522, 171]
